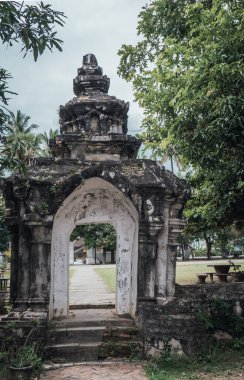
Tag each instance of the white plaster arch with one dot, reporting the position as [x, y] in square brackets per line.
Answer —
[95, 201]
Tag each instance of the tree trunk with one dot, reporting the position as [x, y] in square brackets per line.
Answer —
[209, 247]
[182, 252]
[223, 241]
[172, 165]
[208, 244]
[104, 256]
[112, 256]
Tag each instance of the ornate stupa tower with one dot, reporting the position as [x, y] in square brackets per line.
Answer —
[94, 124]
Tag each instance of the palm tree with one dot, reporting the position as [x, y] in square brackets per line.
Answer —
[32, 147]
[19, 123]
[174, 160]
[45, 139]
[20, 146]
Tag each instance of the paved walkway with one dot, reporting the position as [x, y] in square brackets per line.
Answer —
[87, 287]
[114, 371]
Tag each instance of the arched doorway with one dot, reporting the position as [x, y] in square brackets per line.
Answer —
[95, 201]
[92, 260]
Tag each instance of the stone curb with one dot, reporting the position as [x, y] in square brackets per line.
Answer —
[50, 367]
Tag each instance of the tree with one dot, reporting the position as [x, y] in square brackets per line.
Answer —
[45, 139]
[4, 234]
[20, 145]
[19, 123]
[97, 236]
[33, 28]
[187, 72]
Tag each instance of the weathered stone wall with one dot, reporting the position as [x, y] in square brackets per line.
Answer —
[150, 196]
[175, 323]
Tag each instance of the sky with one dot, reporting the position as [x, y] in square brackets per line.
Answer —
[92, 26]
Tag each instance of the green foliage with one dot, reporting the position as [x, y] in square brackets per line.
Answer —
[168, 367]
[221, 316]
[4, 234]
[213, 361]
[27, 356]
[32, 27]
[200, 252]
[96, 235]
[17, 350]
[187, 73]
[43, 208]
[19, 145]
[220, 241]
[4, 93]
[238, 344]
[45, 140]
[3, 371]
[3, 264]
[234, 267]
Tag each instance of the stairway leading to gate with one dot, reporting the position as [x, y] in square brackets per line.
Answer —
[91, 335]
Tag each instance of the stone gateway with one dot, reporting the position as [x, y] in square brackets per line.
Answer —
[93, 177]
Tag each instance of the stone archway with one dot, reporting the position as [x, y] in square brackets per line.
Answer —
[95, 201]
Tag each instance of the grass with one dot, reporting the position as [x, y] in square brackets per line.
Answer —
[108, 275]
[71, 272]
[3, 371]
[219, 363]
[185, 272]
[6, 273]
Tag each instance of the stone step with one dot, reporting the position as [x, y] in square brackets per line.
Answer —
[92, 334]
[121, 322]
[92, 306]
[83, 343]
[88, 335]
[76, 335]
[80, 352]
[129, 350]
[73, 352]
[121, 334]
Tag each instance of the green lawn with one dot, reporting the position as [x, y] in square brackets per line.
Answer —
[108, 275]
[185, 272]
[6, 274]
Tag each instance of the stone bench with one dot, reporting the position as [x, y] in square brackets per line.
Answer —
[1, 273]
[202, 278]
[222, 277]
[211, 274]
[3, 283]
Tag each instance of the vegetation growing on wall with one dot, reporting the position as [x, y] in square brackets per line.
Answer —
[221, 317]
